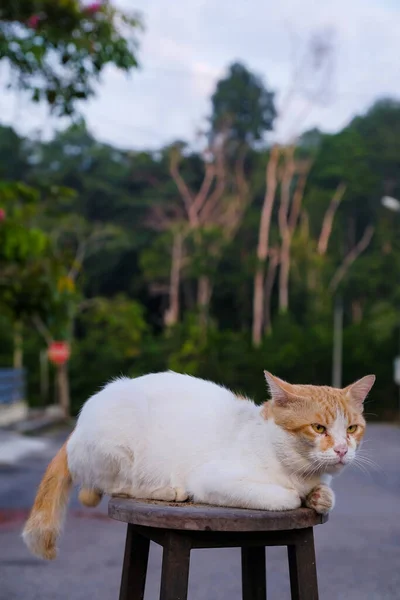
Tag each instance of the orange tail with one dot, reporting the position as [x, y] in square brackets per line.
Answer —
[47, 515]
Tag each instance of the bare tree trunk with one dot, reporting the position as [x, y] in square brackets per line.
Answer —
[269, 286]
[327, 224]
[63, 389]
[263, 244]
[351, 258]
[289, 213]
[312, 63]
[285, 231]
[18, 358]
[171, 316]
[258, 302]
[210, 206]
[44, 376]
[284, 276]
[202, 208]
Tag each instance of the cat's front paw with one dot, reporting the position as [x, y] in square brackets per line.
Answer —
[170, 494]
[321, 499]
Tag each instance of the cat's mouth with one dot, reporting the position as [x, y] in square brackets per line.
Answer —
[340, 463]
[334, 466]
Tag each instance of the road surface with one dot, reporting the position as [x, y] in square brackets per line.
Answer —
[358, 550]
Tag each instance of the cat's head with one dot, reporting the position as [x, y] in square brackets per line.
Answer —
[325, 425]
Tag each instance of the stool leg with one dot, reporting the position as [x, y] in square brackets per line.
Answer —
[135, 566]
[175, 567]
[254, 580]
[302, 567]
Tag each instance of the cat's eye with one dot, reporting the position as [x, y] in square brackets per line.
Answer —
[352, 429]
[318, 428]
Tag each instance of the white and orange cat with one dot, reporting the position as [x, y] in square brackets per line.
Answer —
[171, 437]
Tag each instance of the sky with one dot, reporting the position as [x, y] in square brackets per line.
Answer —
[187, 46]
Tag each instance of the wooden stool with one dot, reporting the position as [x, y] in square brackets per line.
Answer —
[181, 527]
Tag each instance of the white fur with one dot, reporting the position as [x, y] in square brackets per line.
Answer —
[166, 435]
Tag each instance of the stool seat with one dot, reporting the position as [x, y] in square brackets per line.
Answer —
[182, 527]
[203, 517]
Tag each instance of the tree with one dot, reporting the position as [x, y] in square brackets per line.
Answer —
[13, 156]
[109, 294]
[27, 269]
[213, 212]
[242, 111]
[57, 50]
[242, 107]
[309, 81]
[120, 321]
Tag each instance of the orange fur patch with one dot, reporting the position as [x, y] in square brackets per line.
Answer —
[90, 498]
[310, 404]
[44, 523]
[266, 410]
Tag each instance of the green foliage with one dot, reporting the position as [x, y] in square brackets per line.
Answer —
[6, 346]
[78, 191]
[33, 278]
[204, 248]
[57, 49]
[228, 357]
[243, 106]
[153, 268]
[110, 340]
[124, 321]
[23, 248]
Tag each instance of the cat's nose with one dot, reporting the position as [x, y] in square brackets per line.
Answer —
[341, 450]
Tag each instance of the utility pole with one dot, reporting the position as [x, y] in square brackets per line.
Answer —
[337, 355]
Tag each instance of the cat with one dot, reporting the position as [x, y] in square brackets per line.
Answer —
[167, 436]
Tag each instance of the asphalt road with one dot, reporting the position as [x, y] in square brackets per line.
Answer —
[358, 550]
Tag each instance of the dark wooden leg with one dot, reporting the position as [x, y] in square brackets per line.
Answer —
[135, 566]
[302, 566]
[175, 567]
[254, 580]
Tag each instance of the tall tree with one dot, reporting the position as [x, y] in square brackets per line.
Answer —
[309, 81]
[243, 111]
[242, 107]
[213, 212]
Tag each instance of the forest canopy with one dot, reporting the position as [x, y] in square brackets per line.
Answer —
[220, 262]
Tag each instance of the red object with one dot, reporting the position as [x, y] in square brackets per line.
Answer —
[93, 8]
[2, 214]
[33, 21]
[59, 352]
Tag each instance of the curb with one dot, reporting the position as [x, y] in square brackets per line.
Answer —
[41, 426]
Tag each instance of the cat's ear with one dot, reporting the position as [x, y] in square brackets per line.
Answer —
[280, 390]
[359, 390]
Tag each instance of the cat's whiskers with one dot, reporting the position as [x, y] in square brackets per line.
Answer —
[306, 469]
[320, 466]
[296, 465]
[366, 461]
[361, 467]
